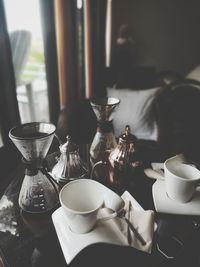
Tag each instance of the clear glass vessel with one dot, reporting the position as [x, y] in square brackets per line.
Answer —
[39, 192]
[104, 140]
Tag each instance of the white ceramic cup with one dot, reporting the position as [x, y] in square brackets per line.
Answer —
[82, 200]
[181, 180]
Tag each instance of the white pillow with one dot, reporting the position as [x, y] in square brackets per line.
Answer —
[133, 110]
[194, 74]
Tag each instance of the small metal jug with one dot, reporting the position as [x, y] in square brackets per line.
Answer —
[125, 154]
[70, 166]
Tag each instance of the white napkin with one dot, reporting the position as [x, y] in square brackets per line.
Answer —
[142, 220]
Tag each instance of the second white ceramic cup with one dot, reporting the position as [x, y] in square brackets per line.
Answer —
[181, 180]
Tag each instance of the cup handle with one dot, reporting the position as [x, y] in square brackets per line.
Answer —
[156, 172]
[94, 167]
[115, 209]
[107, 217]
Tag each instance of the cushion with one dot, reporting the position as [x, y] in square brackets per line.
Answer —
[141, 77]
[134, 110]
[194, 74]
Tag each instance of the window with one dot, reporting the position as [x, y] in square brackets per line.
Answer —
[29, 78]
[1, 141]
[25, 33]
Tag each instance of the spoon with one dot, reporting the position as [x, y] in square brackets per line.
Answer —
[129, 238]
[132, 228]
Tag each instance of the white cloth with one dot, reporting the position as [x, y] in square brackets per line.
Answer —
[142, 220]
[133, 110]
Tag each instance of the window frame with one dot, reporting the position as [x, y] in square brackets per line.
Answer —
[9, 112]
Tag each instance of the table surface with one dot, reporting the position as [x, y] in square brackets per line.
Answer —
[30, 240]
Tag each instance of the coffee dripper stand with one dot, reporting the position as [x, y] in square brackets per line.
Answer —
[104, 140]
[39, 192]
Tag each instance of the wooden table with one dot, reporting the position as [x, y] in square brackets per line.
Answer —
[30, 240]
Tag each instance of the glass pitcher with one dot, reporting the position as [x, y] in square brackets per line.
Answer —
[39, 193]
[104, 140]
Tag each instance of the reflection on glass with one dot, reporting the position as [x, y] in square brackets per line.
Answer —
[24, 27]
[7, 220]
[1, 141]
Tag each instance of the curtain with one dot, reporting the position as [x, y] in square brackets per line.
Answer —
[72, 23]
[80, 37]
[98, 22]
[65, 16]
[94, 34]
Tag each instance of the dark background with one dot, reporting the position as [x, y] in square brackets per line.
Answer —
[166, 32]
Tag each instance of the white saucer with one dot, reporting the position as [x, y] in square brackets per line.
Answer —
[164, 204]
[105, 232]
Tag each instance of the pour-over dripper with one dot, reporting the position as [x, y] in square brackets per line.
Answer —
[33, 140]
[38, 193]
[104, 107]
[104, 140]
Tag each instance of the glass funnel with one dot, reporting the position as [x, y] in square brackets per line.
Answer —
[104, 140]
[38, 192]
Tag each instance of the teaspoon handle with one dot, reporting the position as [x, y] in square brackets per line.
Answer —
[129, 238]
[138, 236]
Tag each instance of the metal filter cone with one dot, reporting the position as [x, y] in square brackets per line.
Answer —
[104, 107]
[33, 140]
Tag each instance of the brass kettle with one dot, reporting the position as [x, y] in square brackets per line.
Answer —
[122, 163]
[125, 154]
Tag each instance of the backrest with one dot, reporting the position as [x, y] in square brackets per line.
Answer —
[176, 109]
[167, 77]
[20, 41]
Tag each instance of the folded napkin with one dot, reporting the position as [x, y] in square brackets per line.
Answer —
[142, 220]
[113, 231]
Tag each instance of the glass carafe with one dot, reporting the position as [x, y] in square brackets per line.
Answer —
[104, 140]
[39, 192]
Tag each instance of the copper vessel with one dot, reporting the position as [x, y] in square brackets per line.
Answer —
[122, 163]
